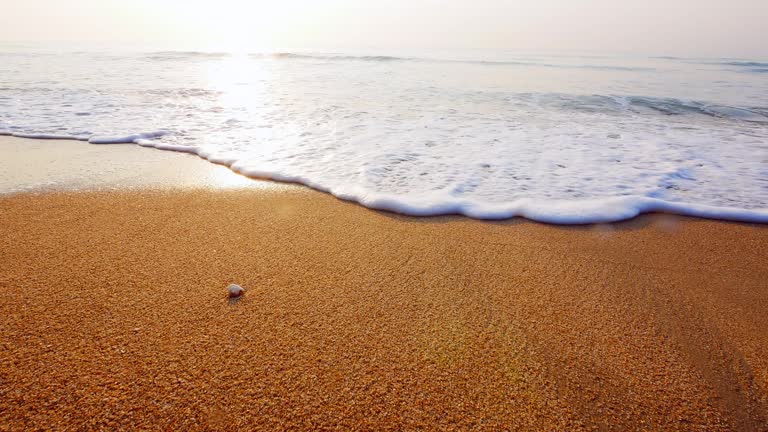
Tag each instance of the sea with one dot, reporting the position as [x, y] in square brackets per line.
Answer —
[558, 137]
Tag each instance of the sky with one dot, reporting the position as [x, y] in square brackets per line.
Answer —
[734, 28]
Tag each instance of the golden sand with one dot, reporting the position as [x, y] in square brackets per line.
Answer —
[114, 313]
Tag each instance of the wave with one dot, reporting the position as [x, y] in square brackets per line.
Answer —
[560, 212]
[739, 65]
[746, 64]
[383, 59]
[640, 104]
[743, 65]
[377, 58]
[671, 106]
[184, 55]
[333, 57]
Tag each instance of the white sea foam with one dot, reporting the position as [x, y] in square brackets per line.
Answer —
[50, 136]
[127, 139]
[591, 140]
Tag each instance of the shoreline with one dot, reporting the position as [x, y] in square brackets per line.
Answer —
[50, 166]
[355, 318]
[557, 212]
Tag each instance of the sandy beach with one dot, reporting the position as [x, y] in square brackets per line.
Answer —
[114, 315]
[383, 215]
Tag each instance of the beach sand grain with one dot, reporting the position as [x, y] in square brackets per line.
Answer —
[113, 313]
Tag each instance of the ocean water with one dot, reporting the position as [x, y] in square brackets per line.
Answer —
[561, 138]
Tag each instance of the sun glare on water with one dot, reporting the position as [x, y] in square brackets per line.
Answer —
[239, 79]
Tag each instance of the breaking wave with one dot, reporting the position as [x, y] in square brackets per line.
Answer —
[560, 140]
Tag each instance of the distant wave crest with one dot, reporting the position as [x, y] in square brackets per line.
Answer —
[747, 64]
[384, 58]
[184, 55]
[638, 104]
[672, 106]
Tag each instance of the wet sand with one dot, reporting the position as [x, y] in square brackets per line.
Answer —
[34, 165]
[113, 313]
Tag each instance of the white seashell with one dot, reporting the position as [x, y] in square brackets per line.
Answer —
[235, 291]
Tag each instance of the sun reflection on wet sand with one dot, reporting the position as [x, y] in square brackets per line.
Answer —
[30, 164]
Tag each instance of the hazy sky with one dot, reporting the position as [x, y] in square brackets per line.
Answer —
[737, 28]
